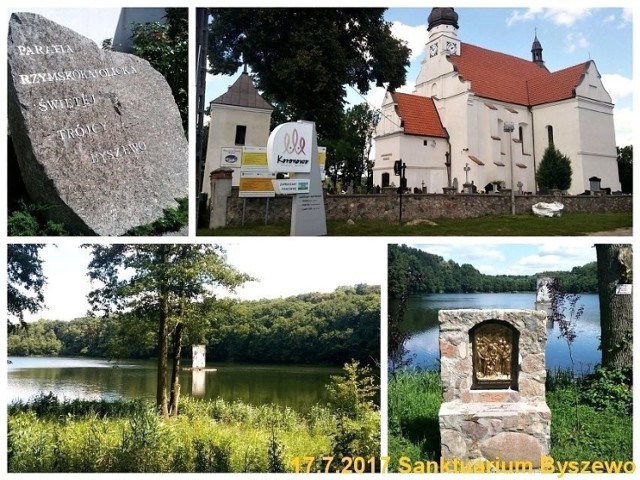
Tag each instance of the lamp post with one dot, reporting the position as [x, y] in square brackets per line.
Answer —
[508, 127]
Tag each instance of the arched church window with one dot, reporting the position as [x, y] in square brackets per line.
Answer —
[385, 179]
[550, 134]
[521, 138]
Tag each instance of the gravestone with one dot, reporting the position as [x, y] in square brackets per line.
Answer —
[97, 133]
[493, 380]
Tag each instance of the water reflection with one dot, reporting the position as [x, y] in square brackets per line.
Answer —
[298, 387]
[421, 320]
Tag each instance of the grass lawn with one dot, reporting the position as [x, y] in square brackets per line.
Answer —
[570, 224]
[415, 398]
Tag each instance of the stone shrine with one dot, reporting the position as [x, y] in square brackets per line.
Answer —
[97, 133]
[493, 380]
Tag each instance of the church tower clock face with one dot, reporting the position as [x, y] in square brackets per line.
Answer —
[452, 48]
[433, 50]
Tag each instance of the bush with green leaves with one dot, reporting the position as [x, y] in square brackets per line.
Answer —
[609, 389]
[554, 171]
[351, 398]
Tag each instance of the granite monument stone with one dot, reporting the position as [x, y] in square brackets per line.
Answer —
[97, 133]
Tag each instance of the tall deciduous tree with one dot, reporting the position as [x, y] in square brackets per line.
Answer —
[303, 59]
[348, 156]
[166, 47]
[164, 279]
[25, 280]
[625, 168]
[615, 267]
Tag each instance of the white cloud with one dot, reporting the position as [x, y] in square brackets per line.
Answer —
[415, 36]
[623, 120]
[609, 19]
[566, 16]
[575, 40]
[618, 86]
[517, 17]
[626, 18]
[559, 16]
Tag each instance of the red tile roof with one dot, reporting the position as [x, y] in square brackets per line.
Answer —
[419, 115]
[498, 76]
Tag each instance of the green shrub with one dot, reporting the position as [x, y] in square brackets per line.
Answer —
[554, 170]
[211, 458]
[608, 389]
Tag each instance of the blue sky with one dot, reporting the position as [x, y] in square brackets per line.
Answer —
[498, 258]
[568, 36]
[281, 270]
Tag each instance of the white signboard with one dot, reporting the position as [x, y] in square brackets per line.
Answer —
[289, 148]
[230, 156]
[624, 289]
[307, 209]
[291, 187]
[199, 354]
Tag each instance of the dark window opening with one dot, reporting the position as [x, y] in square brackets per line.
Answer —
[550, 134]
[241, 134]
[521, 137]
[385, 179]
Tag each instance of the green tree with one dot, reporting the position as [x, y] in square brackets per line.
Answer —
[166, 47]
[348, 155]
[554, 170]
[303, 59]
[164, 280]
[25, 280]
[625, 168]
[615, 267]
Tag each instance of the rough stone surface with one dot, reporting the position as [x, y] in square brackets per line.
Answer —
[513, 446]
[457, 371]
[97, 133]
[505, 424]
[453, 445]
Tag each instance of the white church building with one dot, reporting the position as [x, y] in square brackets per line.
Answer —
[453, 126]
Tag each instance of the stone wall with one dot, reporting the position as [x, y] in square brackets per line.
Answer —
[419, 206]
[456, 355]
[496, 425]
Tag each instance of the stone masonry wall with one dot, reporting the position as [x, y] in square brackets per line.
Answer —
[456, 355]
[419, 206]
[503, 425]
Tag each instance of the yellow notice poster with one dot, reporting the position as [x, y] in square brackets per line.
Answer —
[256, 187]
[254, 158]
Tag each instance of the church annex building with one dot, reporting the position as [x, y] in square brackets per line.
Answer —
[451, 130]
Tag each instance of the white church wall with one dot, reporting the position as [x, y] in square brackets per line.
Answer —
[222, 133]
[591, 85]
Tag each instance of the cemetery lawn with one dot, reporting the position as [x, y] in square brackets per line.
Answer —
[415, 398]
[570, 224]
[207, 436]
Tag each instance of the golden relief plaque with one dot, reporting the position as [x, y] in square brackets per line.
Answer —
[495, 355]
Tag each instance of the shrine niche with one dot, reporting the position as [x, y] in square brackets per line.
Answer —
[495, 355]
[493, 385]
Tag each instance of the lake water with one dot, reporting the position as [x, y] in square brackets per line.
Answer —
[298, 387]
[421, 321]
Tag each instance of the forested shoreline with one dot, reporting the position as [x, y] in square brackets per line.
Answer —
[314, 328]
[429, 273]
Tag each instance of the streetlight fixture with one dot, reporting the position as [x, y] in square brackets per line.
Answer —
[509, 127]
